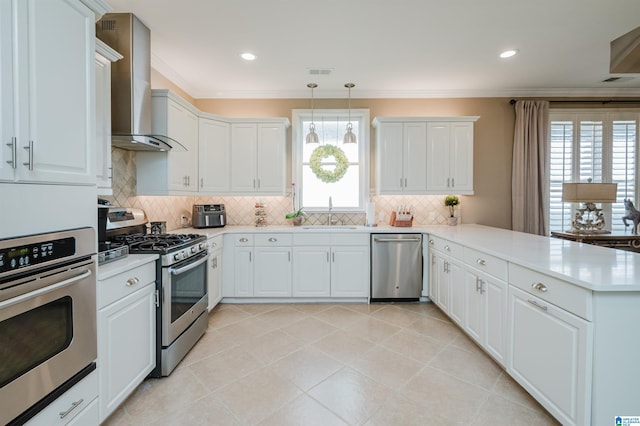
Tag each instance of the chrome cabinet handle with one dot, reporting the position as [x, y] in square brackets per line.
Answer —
[132, 281]
[405, 182]
[201, 182]
[14, 153]
[30, 158]
[243, 240]
[453, 182]
[537, 305]
[272, 240]
[481, 262]
[333, 257]
[258, 183]
[477, 284]
[327, 257]
[74, 405]
[289, 255]
[214, 263]
[540, 287]
[400, 182]
[448, 180]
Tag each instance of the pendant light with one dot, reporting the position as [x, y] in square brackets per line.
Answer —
[349, 136]
[312, 136]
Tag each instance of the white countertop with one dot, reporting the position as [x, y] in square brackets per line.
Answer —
[588, 266]
[116, 267]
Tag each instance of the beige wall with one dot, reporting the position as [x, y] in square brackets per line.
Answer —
[493, 137]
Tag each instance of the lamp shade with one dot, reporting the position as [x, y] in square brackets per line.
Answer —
[589, 192]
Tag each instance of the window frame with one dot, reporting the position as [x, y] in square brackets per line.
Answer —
[607, 117]
[298, 134]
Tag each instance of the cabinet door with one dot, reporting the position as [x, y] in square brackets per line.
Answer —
[243, 274]
[415, 158]
[7, 133]
[126, 346]
[389, 162]
[549, 348]
[474, 321]
[214, 279]
[438, 178]
[350, 271]
[55, 98]
[433, 278]
[442, 282]
[272, 273]
[182, 125]
[461, 157]
[103, 122]
[457, 308]
[495, 317]
[311, 272]
[244, 138]
[214, 155]
[270, 174]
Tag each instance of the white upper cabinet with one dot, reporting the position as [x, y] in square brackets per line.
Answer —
[175, 171]
[215, 153]
[450, 158]
[48, 114]
[258, 157]
[424, 155]
[104, 172]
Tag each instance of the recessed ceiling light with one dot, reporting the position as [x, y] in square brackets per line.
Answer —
[248, 56]
[508, 53]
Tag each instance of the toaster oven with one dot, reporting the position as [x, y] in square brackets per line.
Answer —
[208, 216]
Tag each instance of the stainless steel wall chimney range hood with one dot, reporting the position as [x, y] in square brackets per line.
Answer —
[131, 84]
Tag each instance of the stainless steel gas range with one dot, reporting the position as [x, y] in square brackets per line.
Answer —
[181, 282]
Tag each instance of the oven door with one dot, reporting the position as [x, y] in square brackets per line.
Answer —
[47, 335]
[184, 295]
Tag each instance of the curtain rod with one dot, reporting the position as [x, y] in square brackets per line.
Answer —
[578, 101]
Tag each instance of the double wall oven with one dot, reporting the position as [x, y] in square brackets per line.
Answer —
[181, 282]
[47, 319]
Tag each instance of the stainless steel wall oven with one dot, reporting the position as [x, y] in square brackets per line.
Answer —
[47, 319]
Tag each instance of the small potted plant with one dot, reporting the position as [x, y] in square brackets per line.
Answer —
[451, 201]
[297, 217]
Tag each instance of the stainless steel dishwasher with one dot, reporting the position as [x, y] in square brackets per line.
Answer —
[396, 267]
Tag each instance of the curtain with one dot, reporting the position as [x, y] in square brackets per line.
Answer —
[529, 196]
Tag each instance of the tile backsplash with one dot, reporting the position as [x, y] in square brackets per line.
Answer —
[428, 209]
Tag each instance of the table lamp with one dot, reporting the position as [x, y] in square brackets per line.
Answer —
[589, 218]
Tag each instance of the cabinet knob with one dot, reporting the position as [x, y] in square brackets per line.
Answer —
[539, 286]
[447, 248]
[431, 242]
[273, 240]
[243, 240]
[481, 262]
[132, 281]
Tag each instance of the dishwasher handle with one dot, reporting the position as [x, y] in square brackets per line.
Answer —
[394, 240]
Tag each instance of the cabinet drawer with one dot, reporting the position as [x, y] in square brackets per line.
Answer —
[272, 240]
[82, 394]
[445, 246]
[350, 239]
[311, 239]
[486, 263]
[243, 239]
[125, 283]
[215, 243]
[565, 295]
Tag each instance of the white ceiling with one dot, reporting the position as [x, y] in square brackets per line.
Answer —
[388, 48]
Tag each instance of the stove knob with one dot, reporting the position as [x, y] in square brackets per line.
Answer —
[194, 249]
[178, 256]
[202, 246]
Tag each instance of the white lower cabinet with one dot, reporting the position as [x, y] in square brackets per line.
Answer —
[126, 333]
[350, 271]
[447, 277]
[312, 271]
[272, 272]
[214, 276]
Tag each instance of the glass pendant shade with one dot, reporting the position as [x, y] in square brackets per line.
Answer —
[312, 136]
[349, 136]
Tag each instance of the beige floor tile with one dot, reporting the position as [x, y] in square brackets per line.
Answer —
[477, 369]
[397, 316]
[303, 411]
[431, 310]
[343, 346]
[257, 308]
[120, 417]
[509, 389]
[372, 329]
[365, 308]
[387, 368]
[498, 411]
[157, 398]
[309, 329]
[219, 370]
[439, 330]
[272, 346]
[207, 411]
[312, 308]
[258, 395]
[306, 367]
[465, 343]
[445, 395]
[211, 343]
[414, 345]
[339, 316]
[350, 395]
[247, 329]
[223, 317]
[401, 411]
[280, 317]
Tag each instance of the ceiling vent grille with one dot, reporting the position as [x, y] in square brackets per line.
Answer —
[319, 71]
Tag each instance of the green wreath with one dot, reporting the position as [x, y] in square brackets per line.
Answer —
[322, 152]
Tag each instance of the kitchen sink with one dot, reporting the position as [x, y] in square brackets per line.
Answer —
[329, 227]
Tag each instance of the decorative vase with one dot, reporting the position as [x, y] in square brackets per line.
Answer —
[453, 221]
[297, 221]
